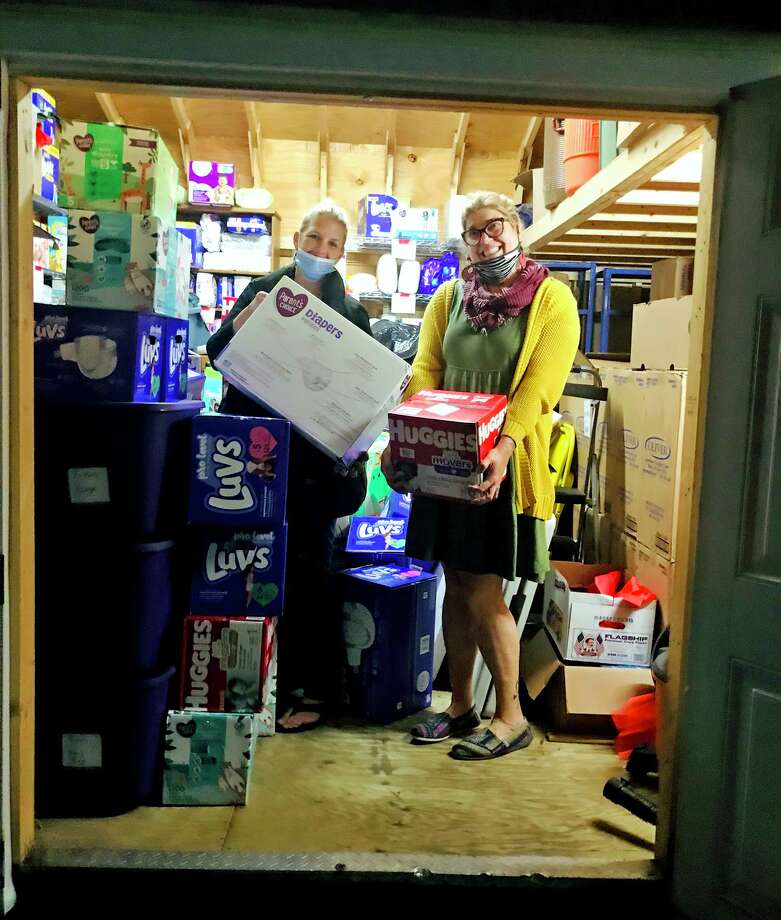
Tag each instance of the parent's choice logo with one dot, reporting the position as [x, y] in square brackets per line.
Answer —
[288, 303]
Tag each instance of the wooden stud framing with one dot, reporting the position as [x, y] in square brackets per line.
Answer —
[185, 129]
[526, 147]
[324, 151]
[670, 186]
[635, 239]
[652, 210]
[21, 499]
[390, 154]
[629, 132]
[109, 108]
[458, 150]
[644, 226]
[254, 141]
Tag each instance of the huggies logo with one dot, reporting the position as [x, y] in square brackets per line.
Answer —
[220, 563]
[198, 697]
[232, 493]
[443, 440]
[491, 426]
[150, 352]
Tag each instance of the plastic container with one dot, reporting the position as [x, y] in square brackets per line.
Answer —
[115, 468]
[112, 610]
[99, 745]
[581, 152]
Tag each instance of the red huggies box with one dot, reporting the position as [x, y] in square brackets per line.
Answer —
[439, 438]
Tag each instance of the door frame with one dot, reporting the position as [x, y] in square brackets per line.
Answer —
[22, 558]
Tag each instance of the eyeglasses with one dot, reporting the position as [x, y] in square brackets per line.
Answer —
[493, 229]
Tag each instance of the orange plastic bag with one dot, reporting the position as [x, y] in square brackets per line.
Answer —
[636, 723]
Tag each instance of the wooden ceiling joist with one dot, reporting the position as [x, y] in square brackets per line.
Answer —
[109, 108]
[598, 240]
[459, 147]
[652, 210]
[324, 150]
[609, 251]
[655, 186]
[184, 128]
[644, 226]
[254, 141]
[527, 143]
[390, 153]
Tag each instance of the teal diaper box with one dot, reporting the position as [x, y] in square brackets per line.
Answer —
[208, 758]
[124, 262]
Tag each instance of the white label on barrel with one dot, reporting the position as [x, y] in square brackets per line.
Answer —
[88, 485]
[82, 752]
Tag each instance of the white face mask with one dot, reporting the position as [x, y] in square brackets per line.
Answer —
[315, 268]
[492, 271]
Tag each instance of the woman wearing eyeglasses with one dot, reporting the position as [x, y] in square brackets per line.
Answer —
[506, 328]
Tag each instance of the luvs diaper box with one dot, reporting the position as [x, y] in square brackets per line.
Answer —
[123, 262]
[208, 758]
[375, 212]
[98, 355]
[388, 620]
[174, 364]
[117, 168]
[309, 364]
[439, 439]
[239, 571]
[239, 470]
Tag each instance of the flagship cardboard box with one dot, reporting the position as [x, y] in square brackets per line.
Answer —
[117, 168]
[126, 262]
[239, 571]
[439, 438]
[208, 758]
[239, 470]
[98, 355]
[660, 334]
[312, 366]
[595, 627]
[579, 698]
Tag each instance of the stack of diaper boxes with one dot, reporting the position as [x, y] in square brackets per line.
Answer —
[113, 427]
[228, 673]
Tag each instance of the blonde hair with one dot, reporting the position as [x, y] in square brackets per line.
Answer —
[501, 203]
[325, 208]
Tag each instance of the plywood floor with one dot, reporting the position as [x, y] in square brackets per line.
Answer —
[359, 789]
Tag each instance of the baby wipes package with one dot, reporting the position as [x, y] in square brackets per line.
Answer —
[211, 183]
[421, 224]
[125, 262]
[239, 572]
[239, 470]
[117, 168]
[439, 438]
[309, 364]
[208, 758]
[98, 355]
[174, 363]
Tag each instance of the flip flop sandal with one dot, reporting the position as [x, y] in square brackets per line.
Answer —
[485, 745]
[297, 705]
[442, 726]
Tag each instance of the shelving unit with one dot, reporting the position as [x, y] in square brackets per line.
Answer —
[191, 211]
[228, 271]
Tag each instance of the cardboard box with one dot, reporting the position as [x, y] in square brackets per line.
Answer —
[174, 364]
[192, 232]
[660, 334]
[651, 569]
[579, 698]
[57, 225]
[266, 717]
[672, 278]
[38, 110]
[124, 262]
[388, 624]
[624, 437]
[309, 364]
[580, 414]
[239, 572]
[595, 627]
[117, 168]
[239, 470]
[377, 540]
[98, 355]
[223, 666]
[374, 215]
[421, 224]
[438, 439]
[208, 758]
[211, 183]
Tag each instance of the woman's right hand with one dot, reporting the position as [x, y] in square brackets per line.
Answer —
[396, 482]
[245, 314]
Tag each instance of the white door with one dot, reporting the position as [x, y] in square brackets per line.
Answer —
[727, 855]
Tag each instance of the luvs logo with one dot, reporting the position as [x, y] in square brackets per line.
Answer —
[222, 562]
[150, 352]
[385, 528]
[176, 353]
[232, 493]
[50, 330]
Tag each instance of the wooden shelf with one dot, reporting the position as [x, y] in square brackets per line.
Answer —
[378, 295]
[370, 244]
[229, 271]
[193, 209]
[42, 206]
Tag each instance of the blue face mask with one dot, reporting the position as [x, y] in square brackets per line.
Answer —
[314, 267]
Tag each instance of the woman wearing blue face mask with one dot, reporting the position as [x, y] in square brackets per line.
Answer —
[309, 634]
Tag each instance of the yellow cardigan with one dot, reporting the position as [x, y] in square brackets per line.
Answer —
[545, 361]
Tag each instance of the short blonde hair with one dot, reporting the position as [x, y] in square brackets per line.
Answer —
[501, 203]
[325, 208]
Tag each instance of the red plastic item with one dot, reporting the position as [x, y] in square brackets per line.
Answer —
[636, 723]
[632, 593]
[581, 152]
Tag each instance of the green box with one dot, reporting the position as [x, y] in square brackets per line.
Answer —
[117, 168]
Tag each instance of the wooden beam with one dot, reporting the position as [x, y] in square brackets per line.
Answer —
[652, 210]
[527, 142]
[324, 150]
[20, 602]
[254, 141]
[581, 252]
[390, 153]
[458, 149]
[109, 108]
[184, 129]
[692, 461]
[671, 186]
[662, 146]
[652, 239]
[629, 132]
[654, 226]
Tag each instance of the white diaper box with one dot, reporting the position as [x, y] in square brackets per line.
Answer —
[311, 365]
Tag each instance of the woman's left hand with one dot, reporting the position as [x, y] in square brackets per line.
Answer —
[494, 469]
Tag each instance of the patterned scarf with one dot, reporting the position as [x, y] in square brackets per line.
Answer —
[485, 310]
